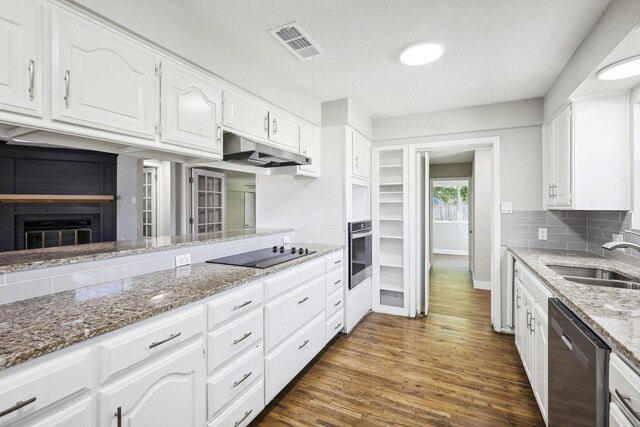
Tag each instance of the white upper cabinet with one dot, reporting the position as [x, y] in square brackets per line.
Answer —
[284, 130]
[360, 155]
[310, 147]
[101, 79]
[21, 52]
[191, 109]
[586, 155]
[245, 115]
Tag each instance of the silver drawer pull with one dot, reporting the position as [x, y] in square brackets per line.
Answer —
[67, 82]
[338, 327]
[246, 414]
[32, 75]
[335, 283]
[626, 401]
[244, 337]
[237, 383]
[244, 304]
[338, 303]
[338, 261]
[171, 337]
[18, 405]
[303, 300]
[303, 344]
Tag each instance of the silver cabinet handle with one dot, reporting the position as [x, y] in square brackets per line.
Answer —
[626, 402]
[518, 301]
[237, 383]
[338, 303]
[275, 125]
[337, 281]
[303, 344]
[246, 414]
[67, 82]
[19, 404]
[171, 337]
[338, 261]
[118, 415]
[32, 76]
[532, 327]
[528, 320]
[244, 304]
[303, 300]
[218, 139]
[356, 161]
[266, 124]
[338, 327]
[244, 337]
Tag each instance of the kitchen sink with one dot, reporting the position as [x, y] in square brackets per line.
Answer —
[595, 276]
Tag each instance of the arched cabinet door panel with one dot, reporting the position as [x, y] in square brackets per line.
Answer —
[102, 80]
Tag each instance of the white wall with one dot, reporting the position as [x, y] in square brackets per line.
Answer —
[450, 238]
[129, 214]
[620, 17]
[482, 198]
[174, 28]
[344, 111]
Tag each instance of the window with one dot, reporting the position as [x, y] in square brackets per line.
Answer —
[450, 201]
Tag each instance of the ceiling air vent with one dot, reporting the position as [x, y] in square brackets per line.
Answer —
[297, 41]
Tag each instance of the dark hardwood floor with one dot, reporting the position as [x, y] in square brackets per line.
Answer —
[447, 369]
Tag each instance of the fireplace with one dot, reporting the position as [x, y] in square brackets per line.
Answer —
[50, 233]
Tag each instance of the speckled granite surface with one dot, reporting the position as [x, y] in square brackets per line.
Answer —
[51, 257]
[37, 326]
[614, 314]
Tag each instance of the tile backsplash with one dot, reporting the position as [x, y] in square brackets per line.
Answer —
[576, 230]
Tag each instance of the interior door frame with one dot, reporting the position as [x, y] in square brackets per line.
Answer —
[459, 144]
[430, 219]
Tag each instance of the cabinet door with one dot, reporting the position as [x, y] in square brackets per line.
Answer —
[191, 109]
[539, 366]
[549, 168]
[284, 130]
[21, 52]
[360, 155]
[243, 114]
[519, 317]
[310, 147]
[102, 80]
[526, 342]
[562, 158]
[166, 393]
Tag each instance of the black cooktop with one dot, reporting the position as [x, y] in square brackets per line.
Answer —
[263, 258]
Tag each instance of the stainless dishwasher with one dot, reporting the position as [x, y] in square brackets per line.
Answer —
[578, 371]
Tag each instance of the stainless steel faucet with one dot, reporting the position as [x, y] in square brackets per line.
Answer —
[621, 245]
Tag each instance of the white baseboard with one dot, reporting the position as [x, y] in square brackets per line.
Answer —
[450, 252]
[481, 284]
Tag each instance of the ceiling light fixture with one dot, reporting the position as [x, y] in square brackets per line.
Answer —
[626, 68]
[421, 53]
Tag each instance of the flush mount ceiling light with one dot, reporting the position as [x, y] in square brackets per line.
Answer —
[421, 53]
[626, 68]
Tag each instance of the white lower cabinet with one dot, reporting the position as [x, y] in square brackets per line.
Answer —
[244, 410]
[234, 338]
[334, 325]
[531, 331]
[70, 414]
[624, 387]
[168, 392]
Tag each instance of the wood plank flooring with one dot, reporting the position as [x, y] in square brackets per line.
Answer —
[448, 369]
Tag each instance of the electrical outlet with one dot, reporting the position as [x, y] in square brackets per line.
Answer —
[617, 237]
[506, 207]
[542, 234]
[182, 260]
[286, 242]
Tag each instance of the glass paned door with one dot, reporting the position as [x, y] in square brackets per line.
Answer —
[149, 202]
[208, 201]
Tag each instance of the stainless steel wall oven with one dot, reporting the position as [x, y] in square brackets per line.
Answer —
[360, 256]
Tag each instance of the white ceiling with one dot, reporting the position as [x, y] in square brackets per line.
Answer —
[495, 50]
[446, 157]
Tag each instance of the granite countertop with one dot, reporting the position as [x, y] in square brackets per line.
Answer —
[51, 257]
[614, 314]
[37, 326]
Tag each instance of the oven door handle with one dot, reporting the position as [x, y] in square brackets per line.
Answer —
[361, 234]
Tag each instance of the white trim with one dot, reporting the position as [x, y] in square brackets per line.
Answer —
[462, 144]
[481, 284]
[450, 252]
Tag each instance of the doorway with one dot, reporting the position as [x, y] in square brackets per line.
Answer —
[149, 202]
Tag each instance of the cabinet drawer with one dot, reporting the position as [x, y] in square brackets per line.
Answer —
[234, 303]
[335, 303]
[232, 339]
[538, 291]
[617, 417]
[231, 382]
[131, 347]
[623, 381]
[288, 313]
[334, 280]
[293, 277]
[334, 260]
[284, 364]
[45, 383]
[244, 410]
[335, 324]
